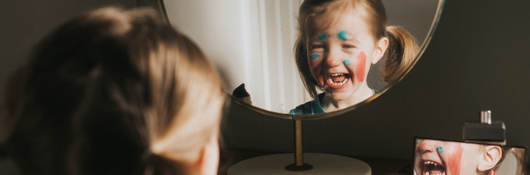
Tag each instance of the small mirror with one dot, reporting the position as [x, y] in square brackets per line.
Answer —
[311, 57]
[435, 156]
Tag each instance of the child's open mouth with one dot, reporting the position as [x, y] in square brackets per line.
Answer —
[432, 168]
[337, 80]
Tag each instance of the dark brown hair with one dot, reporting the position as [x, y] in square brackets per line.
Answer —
[105, 90]
[402, 45]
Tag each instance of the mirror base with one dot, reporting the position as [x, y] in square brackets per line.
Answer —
[328, 164]
[304, 167]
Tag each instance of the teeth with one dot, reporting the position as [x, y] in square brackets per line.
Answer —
[430, 163]
[433, 166]
[332, 76]
[330, 80]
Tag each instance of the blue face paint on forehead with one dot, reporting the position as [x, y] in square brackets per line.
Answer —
[322, 36]
[315, 56]
[343, 35]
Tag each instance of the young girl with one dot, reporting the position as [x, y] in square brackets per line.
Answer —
[455, 158]
[116, 92]
[339, 40]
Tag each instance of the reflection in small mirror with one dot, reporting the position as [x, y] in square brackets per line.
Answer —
[434, 156]
[307, 57]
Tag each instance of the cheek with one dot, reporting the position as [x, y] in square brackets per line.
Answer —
[315, 67]
[360, 67]
[453, 158]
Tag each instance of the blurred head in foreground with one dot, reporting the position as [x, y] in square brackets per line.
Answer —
[115, 91]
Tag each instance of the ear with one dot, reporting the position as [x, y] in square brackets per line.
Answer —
[208, 161]
[489, 158]
[380, 49]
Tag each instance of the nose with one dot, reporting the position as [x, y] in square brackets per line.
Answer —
[426, 146]
[334, 57]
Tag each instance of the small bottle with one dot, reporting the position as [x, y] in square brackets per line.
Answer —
[487, 131]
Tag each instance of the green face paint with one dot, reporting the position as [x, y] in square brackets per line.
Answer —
[315, 56]
[347, 62]
[322, 36]
[343, 35]
[440, 149]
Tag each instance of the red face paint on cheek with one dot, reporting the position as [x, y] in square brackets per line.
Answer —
[360, 68]
[454, 161]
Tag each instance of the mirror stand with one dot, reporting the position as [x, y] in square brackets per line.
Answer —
[317, 163]
[298, 164]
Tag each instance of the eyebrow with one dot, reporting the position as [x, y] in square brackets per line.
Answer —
[349, 37]
[322, 36]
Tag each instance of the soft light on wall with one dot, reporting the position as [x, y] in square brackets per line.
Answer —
[250, 41]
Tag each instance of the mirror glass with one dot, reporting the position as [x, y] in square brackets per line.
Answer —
[346, 54]
[435, 156]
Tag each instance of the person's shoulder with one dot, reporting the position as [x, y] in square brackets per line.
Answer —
[302, 109]
[310, 107]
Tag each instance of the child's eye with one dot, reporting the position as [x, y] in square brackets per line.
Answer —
[348, 46]
[317, 46]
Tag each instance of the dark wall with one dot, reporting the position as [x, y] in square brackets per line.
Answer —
[24, 23]
[478, 59]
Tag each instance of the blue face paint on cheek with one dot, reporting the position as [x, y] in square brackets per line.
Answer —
[322, 36]
[347, 62]
[440, 149]
[315, 56]
[343, 35]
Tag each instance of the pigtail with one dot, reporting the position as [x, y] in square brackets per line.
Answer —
[401, 52]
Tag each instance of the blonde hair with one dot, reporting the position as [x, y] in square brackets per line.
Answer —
[402, 47]
[116, 92]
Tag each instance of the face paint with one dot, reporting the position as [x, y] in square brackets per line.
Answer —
[347, 62]
[315, 56]
[322, 36]
[360, 67]
[440, 149]
[453, 160]
[342, 35]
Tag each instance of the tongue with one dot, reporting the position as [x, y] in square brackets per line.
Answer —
[434, 169]
[339, 78]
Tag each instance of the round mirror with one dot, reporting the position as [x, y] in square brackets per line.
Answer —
[308, 59]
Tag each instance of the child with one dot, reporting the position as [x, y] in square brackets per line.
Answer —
[339, 40]
[455, 158]
[116, 92]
